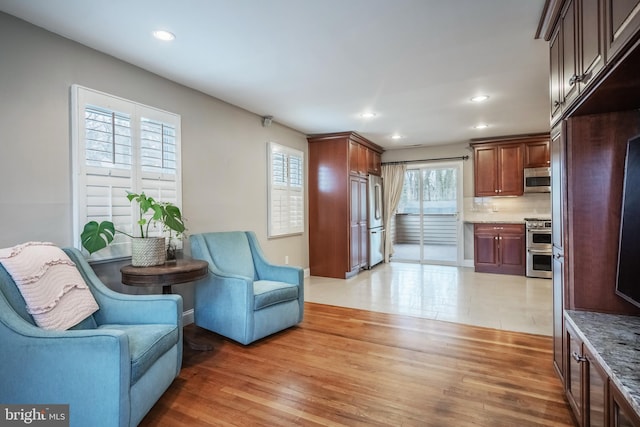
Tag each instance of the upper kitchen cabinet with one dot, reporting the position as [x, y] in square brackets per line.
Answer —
[499, 168]
[536, 153]
[577, 53]
[623, 23]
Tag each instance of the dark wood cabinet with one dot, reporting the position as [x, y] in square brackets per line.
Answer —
[574, 375]
[586, 383]
[536, 153]
[499, 169]
[577, 53]
[596, 384]
[558, 220]
[621, 414]
[338, 169]
[374, 162]
[500, 248]
[623, 24]
[358, 223]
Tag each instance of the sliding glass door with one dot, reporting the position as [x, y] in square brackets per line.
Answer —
[428, 226]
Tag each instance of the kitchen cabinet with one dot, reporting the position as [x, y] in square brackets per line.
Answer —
[577, 53]
[358, 223]
[536, 153]
[500, 248]
[558, 221]
[374, 164]
[499, 169]
[621, 414]
[586, 383]
[338, 169]
[623, 24]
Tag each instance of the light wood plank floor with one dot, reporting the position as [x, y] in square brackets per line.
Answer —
[349, 367]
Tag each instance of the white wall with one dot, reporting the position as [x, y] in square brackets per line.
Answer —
[223, 147]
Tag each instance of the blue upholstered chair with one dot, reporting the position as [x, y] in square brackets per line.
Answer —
[111, 368]
[244, 298]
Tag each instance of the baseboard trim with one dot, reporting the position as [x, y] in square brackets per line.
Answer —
[187, 317]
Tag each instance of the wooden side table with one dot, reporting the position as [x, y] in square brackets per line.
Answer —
[182, 270]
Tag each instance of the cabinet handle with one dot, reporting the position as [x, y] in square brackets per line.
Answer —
[495, 238]
[578, 357]
[558, 256]
[573, 80]
[496, 191]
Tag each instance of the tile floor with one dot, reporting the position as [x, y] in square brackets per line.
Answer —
[455, 294]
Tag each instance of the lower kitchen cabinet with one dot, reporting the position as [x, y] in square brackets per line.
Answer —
[500, 248]
[621, 413]
[585, 383]
[593, 396]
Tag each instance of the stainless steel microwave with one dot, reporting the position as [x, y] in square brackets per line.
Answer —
[537, 180]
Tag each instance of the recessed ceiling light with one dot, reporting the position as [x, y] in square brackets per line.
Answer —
[396, 136]
[368, 115]
[480, 98]
[164, 35]
[481, 126]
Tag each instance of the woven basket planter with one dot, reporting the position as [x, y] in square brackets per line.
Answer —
[148, 251]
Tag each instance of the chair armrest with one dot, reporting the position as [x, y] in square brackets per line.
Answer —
[121, 308]
[269, 271]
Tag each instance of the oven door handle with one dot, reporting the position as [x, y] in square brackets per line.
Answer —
[540, 251]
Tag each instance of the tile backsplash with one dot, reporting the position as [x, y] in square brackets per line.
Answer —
[536, 205]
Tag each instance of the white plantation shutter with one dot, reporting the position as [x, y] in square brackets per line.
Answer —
[120, 146]
[286, 190]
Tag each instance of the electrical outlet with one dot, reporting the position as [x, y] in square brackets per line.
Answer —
[286, 259]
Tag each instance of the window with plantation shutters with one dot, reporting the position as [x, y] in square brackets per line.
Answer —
[286, 190]
[119, 146]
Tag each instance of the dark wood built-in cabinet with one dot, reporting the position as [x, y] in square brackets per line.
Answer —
[586, 383]
[594, 50]
[499, 163]
[500, 248]
[339, 166]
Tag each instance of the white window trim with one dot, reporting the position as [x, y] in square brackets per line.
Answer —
[293, 227]
[82, 96]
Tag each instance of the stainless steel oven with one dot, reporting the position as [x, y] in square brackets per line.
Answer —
[539, 248]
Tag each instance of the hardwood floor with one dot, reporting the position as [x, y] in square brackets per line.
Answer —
[347, 367]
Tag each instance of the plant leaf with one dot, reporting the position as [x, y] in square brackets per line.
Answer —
[97, 236]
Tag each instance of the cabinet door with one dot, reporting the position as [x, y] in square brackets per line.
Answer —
[623, 22]
[558, 200]
[486, 247]
[555, 81]
[591, 58]
[621, 413]
[536, 154]
[486, 171]
[596, 399]
[373, 162]
[362, 221]
[512, 253]
[570, 74]
[510, 169]
[574, 373]
[357, 158]
[354, 226]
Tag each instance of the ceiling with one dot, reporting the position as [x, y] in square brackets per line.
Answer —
[316, 65]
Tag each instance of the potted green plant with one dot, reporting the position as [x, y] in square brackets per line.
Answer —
[146, 250]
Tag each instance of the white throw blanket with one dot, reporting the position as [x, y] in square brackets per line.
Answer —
[56, 294]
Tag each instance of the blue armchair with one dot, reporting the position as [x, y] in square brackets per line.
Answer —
[111, 368]
[244, 298]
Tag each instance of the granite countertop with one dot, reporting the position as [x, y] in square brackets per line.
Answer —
[615, 342]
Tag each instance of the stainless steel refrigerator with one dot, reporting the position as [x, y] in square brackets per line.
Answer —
[374, 220]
